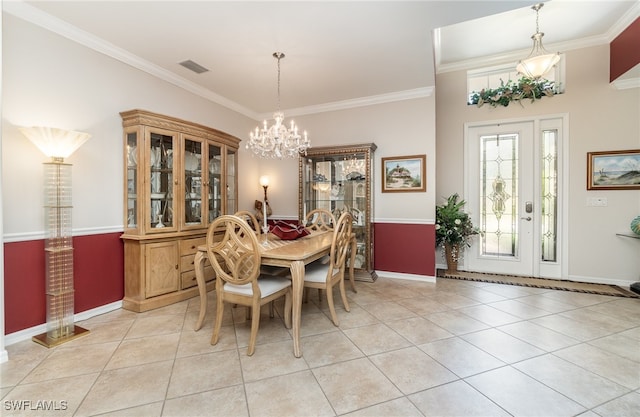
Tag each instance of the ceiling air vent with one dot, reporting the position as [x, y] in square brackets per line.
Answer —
[193, 66]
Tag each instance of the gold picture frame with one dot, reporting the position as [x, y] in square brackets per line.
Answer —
[404, 174]
[613, 170]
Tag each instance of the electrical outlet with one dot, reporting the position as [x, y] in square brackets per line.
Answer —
[597, 202]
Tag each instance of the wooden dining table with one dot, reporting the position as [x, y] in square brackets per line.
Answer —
[292, 254]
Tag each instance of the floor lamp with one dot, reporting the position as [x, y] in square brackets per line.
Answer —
[58, 246]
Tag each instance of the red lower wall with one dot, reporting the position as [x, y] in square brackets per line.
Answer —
[405, 248]
[98, 278]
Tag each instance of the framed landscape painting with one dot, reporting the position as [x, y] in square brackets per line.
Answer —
[613, 170]
[404, 173]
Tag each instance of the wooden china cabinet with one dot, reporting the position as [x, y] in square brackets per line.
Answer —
[179, 176]
[339, 179]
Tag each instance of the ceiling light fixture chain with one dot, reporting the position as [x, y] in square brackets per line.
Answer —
[278, 141]
[539, 61]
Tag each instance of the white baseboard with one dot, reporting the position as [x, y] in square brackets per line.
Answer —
[411, 277]
[27, 334]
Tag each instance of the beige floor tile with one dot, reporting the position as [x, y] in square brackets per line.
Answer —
[398, 407]
[53, 397]
[609, 365]
[453, 300]
[123, 388]
[456, 322]
[624, 406]
[412, 370]
[224, 402]
[455, 399]
[621, 345]
[147, 410]
[502, 346]
[418, 330]
[489, 315]
[389, 310]
[538, 336]
[328, 348]
[72, 361]
[357, 317]
[355, 384]
[296, 394]
[153, 325]
[422, 307]
[521, 395]
[571, 328]
[270, 360]
[584, 387]
[361, 367]
[132, 352]
[376, 338]
[205, 372]
[196, 343]
[519, 309]
[461, 357]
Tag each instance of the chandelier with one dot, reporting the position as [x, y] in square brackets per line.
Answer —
[278, 141]
[539, 61]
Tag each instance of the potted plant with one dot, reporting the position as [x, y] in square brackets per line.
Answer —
[454, 230]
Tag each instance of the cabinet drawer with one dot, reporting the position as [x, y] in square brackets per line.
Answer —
[187, 263]
[190, 246]
[188, 279]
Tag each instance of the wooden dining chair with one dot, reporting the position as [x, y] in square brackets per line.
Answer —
[326, 276]
[234, 252]
[251, 220]
[320, 219]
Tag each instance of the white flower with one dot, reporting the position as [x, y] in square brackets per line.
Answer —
[437, 226]
[457, 221]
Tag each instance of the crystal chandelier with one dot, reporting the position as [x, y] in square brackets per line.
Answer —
[539, 61]
[278, 141]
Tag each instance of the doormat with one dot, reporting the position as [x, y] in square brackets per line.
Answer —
[551, 284]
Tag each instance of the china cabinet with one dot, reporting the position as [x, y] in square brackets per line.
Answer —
[179, 176]
[339, 179]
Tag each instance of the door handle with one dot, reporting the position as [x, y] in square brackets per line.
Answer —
[528, 218]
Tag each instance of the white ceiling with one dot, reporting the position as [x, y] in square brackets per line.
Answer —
[337, 53]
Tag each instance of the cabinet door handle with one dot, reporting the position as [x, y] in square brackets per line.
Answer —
[176, 266]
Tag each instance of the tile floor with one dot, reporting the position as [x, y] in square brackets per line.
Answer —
[407, 348]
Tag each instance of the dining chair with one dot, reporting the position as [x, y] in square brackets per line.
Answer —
[324, 276]
[251, 220]
[320, 219]
[234, 252]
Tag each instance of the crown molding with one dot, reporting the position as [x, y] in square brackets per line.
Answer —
[53, 24]
[356, 102]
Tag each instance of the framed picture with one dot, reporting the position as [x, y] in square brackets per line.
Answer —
[613, 170]
[404, 173]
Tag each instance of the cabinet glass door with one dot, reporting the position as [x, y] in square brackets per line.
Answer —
[193, 189]
[214, 194]
[232, 195]
[161, 185]
[131, 197]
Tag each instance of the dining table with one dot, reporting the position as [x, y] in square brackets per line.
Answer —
[292, 254]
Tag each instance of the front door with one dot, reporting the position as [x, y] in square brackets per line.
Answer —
[512, 195]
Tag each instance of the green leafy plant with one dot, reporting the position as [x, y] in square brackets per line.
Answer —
[524, 88]
[453, 224]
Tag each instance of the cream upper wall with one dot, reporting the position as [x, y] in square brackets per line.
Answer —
[600, 118]
[397, 129]
[51, 81]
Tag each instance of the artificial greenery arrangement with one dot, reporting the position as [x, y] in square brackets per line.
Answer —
[524, 88]
[453, 225]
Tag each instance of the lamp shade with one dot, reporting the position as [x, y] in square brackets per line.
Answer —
[264, 181]
[53, 142]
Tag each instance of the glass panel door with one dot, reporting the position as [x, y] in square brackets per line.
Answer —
[161, 185]
[214, 191]
[232, 194]
[131, 198]
[192, 171]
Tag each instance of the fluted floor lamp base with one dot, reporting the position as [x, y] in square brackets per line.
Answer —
[45, 340]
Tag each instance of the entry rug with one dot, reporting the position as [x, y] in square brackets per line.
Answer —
[552, 284]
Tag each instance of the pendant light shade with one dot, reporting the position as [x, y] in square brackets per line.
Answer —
[539, 62]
